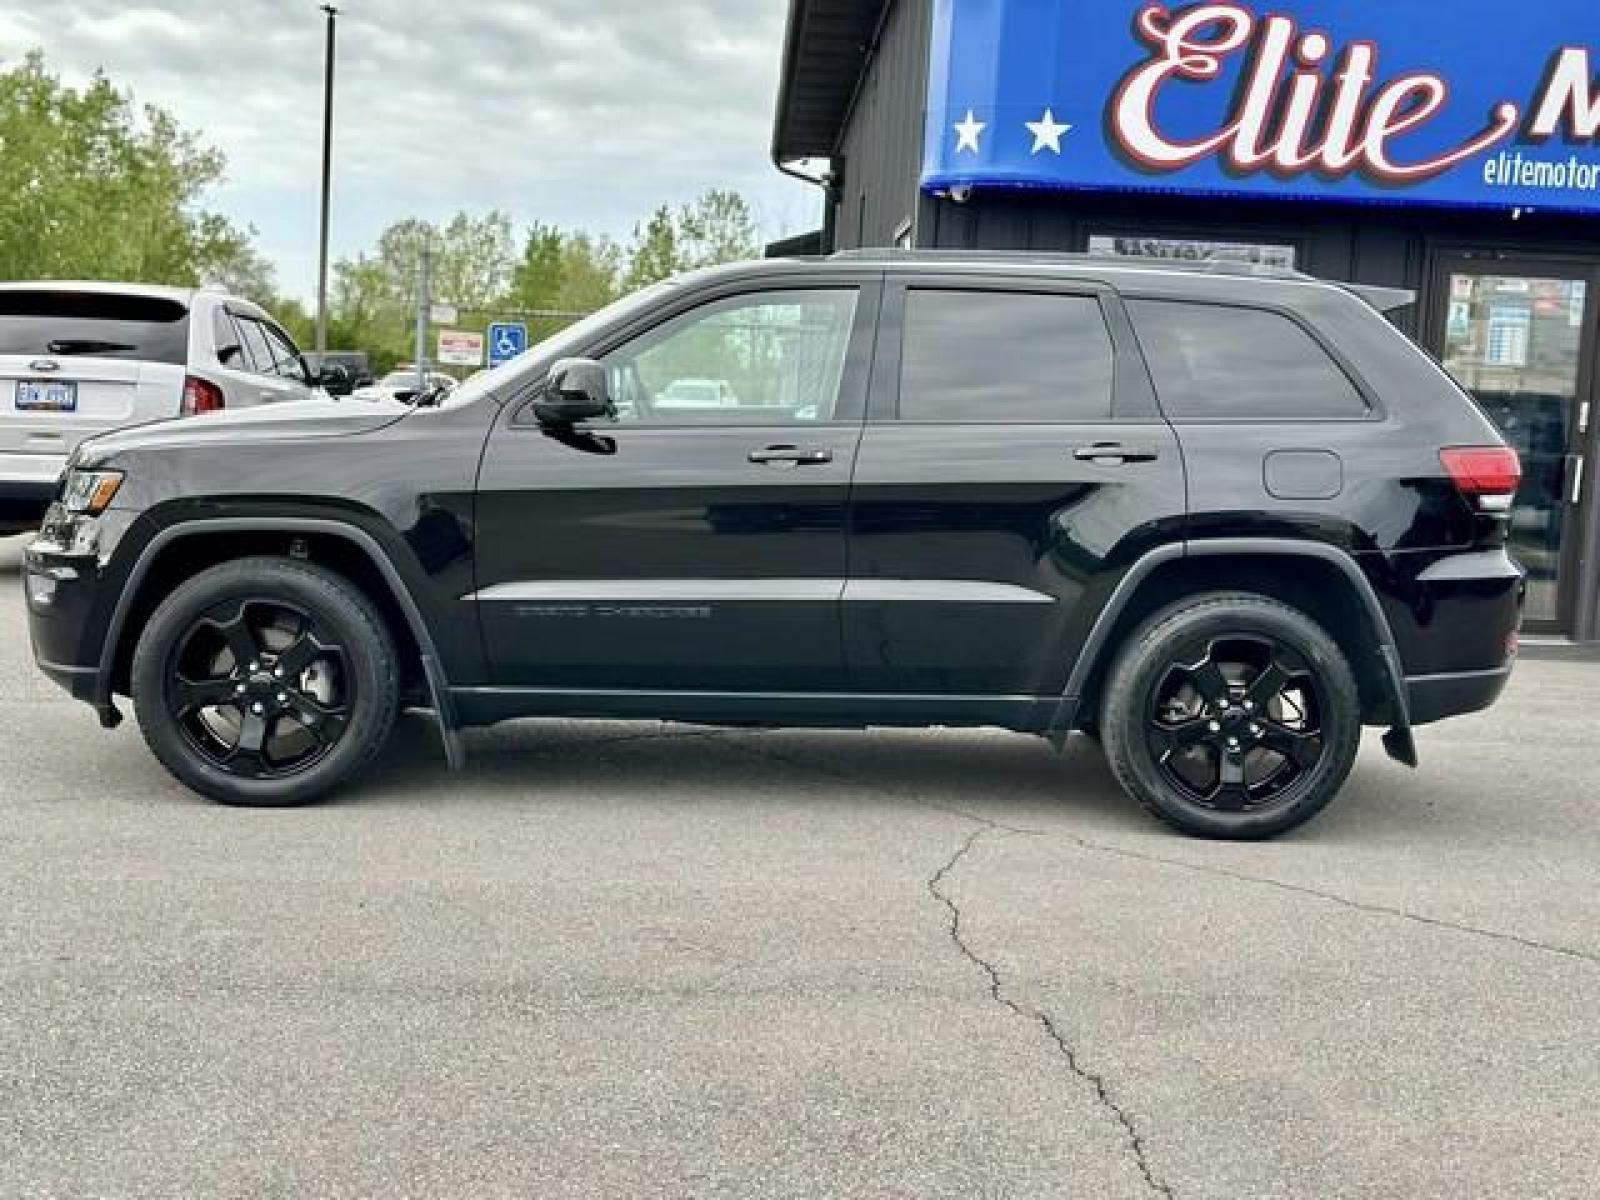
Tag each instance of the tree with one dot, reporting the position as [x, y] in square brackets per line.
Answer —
[716, 228]
[655, 254]
[94, 188]
[566, 273]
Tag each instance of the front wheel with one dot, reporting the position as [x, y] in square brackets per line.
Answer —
[1232, 716]
[265, 682]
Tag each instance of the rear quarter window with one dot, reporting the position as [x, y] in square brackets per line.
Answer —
[56, 324]
[1214, 362]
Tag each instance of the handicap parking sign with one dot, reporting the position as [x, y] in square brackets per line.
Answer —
[507, 340]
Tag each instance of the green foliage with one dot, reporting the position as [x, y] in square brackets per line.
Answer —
[95, 189]
[716, 228]
[92, 187]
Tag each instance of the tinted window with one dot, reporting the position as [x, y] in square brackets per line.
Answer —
[776, 358]
[255, 341]
[286, 358]
[1215, 362]
[78, 324]
[989, 356]
[226, 336]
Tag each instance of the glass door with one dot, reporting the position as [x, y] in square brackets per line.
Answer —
[1522, 338]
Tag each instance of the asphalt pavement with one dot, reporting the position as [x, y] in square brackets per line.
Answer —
[645, 960]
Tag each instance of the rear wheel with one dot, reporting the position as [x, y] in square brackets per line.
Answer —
[265, 682]
[1232, 716]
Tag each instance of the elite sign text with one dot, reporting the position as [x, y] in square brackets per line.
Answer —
[1333, 100]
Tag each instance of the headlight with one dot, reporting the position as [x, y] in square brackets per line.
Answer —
[89, 493]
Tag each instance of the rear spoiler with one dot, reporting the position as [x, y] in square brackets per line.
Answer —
[1384, 299]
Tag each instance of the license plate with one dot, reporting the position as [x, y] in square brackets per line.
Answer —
[46, 395]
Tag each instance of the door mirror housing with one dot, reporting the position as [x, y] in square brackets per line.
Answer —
[578, 391]
[335, 378]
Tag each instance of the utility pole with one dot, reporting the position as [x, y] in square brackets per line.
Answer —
[424, 307]
[327, 179]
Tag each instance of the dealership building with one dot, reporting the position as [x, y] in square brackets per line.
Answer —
[1444, 149]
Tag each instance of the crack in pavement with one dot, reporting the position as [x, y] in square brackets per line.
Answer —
[1364, 906]
[997, 992]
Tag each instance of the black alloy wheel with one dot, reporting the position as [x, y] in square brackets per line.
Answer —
[266, 682]
[1231, 715]
[1235, 722]
[260, 688]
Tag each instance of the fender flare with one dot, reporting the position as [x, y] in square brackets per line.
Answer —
[432, 665]
[1399, 741]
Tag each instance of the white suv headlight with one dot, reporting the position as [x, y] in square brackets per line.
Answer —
[89, 493]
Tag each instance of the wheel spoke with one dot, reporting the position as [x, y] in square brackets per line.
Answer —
[1232, 793]
[193, 694]
[1301, 748]
[1175, 739]
[297, 658]
[1211, 683]
[1266, 687]
[241, 639]
[250, 751]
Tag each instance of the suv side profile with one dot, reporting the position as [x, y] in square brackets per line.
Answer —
[77, 359]
[1219, 519]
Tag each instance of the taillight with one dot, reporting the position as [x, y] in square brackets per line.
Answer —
[1487, 475]
[199, 396]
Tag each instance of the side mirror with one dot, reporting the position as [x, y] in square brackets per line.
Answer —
[578, 391]
[335, 378]
[231, 355]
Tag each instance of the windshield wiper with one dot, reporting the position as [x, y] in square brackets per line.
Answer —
[87, 346]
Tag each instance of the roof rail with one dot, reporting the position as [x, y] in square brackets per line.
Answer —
[1215, 266]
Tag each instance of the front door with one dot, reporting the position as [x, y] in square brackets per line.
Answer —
[1521, 336]
[1014, 457]
[695, 542]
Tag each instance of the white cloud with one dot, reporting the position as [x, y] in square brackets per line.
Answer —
[585, 113]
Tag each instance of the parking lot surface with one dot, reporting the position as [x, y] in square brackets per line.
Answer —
[646, 960]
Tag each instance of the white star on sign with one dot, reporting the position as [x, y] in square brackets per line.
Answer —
[968, 132]
[1047, 132]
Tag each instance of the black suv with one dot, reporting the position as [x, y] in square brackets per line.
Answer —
[1218, 519]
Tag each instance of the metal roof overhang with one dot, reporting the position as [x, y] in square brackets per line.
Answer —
[824, 53]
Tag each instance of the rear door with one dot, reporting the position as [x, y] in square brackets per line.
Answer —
[1013, 462]
[73, 364]
[264, 369]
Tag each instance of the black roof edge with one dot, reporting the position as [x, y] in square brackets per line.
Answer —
[790, 144]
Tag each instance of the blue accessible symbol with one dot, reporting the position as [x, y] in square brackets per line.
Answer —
[507, 340]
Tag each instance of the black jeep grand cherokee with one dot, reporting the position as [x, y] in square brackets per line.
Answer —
[1219, 519]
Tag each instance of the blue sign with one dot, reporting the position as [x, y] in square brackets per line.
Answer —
[1475, 102]
[507, 340]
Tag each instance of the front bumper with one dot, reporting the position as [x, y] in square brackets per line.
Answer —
[70, 602]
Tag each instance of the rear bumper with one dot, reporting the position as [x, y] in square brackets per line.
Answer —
[1436, 697]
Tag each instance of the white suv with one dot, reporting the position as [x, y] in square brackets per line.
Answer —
[78, 359]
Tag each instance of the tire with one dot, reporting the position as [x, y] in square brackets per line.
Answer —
[322, 672]
[1199, 730]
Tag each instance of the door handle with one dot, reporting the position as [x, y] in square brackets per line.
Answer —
[1115, 454]
[794, 456]
[1575, 478]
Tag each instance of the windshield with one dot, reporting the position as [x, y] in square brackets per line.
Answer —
[557, 345]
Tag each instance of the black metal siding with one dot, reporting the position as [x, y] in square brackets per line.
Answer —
[880, 149]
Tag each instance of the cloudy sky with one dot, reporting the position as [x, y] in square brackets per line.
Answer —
[584, 113]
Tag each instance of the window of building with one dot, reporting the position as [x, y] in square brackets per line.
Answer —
[1215, 362]
[995, 356]
[775, 358]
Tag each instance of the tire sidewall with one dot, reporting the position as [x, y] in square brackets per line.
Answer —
[1150, 657]
[369, 660]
